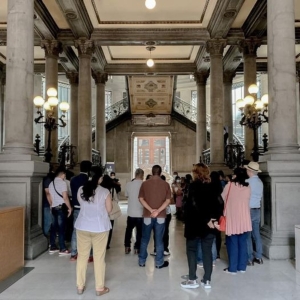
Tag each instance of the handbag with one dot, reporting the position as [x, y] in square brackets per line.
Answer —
[116, 210]
[222, 220]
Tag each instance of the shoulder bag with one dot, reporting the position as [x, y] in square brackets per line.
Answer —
[222, 220]
[116, 210]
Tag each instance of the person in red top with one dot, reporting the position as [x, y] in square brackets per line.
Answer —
[154, 195]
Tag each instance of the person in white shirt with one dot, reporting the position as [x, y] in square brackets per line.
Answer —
[134, 212]
[60, 209]
[92, 229]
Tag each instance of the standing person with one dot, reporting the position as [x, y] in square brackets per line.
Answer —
[92, 228]
[256, 187]
[76, 183]
[61, 209]
[134, 212]
[116, 181]
[201, 210]
[178, 196]
[238, 223]
[155, 195]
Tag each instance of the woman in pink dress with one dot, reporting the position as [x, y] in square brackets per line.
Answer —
[236, 196]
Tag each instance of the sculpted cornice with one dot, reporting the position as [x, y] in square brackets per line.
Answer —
[202, 60]
[52, 48]
[232, 58]
[98, 61]
[100, 78]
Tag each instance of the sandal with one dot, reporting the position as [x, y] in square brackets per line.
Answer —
[80, 291]
[105, 291]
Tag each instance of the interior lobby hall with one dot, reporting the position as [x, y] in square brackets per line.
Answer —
[131, 84]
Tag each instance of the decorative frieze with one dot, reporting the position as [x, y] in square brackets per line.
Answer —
[215, 47]
[100, 77]
[52, 48]
[85, 46]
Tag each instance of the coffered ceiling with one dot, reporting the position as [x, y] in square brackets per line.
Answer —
[121, 30]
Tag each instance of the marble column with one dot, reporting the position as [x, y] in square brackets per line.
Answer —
[249, 48]
[201, 128]
[85, 50]
[100, 133]
[21, 171]
[281, 165]
[227, 82]
[73, 80]
[52, 49]
[215, 49]
[2, 105]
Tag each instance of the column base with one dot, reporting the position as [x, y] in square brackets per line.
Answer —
[280, 208]
[21, 178]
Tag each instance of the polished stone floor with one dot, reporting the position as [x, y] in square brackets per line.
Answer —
[53, 277]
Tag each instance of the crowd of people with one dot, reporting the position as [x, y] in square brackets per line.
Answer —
[200, 200]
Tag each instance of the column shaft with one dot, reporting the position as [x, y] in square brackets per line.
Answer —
[215, 48]
[201, 136]
[282, 77]
[85, 49]
[19, 74]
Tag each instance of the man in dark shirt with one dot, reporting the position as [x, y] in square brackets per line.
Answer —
[76, 183]
[154, 195]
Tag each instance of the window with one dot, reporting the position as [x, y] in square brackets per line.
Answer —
[108, 98]
[194, 98]
[237, 93]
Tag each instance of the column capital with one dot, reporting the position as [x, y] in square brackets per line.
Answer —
[249, 46]
[52, 48]
[215, 46]
[85, 46]
[73, 77]
[228, 76]
[100, 77]
[201, 77]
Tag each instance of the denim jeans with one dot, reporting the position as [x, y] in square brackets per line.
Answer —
[158, 225]
[131, 224]
[47, 220]
[166, 234]
[191, 253]
[74, 236]
[199, 251]
[58, 225]
[236, 245]
[255, 235]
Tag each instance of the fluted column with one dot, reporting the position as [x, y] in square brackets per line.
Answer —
[100, 142]
[215, 49]
[52, 49]
[227, 82]
[73, 80]
[282, 77]
[201, 137]
[249, 48]
[85, 50]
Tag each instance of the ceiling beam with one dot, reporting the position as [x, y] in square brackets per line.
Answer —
[69, 60]
[260, 67]
[40, 69]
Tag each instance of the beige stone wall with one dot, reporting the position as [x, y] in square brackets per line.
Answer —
[119, 145]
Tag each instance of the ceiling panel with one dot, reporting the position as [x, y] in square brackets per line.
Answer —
[243, 13]
[56, 13]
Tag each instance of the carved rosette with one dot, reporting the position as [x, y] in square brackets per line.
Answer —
[201, 77]
[85, 46]
[215, 47]
[73, 77]
[228, 77]
[249, 46]
[100, 77]
[52, 48]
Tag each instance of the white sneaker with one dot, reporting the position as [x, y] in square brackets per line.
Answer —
[153, 253]
[206, 284]
[190, 284]
[166, 253]
[200, 265]
[228, 272]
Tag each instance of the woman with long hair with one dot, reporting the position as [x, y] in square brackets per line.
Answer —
[201, 210]
[236, 195]
[92, 228]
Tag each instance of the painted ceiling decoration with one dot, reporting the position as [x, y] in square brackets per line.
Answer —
[151, 94]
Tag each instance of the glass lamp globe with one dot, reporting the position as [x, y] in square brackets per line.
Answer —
[53, 101]
[47, 106]
[150, 4]
[240, 104]
[38, 101]
[64, 106]
[51, 92]
[150, 62]
[265, 99]
[249, 100]
[259, 104]
[253, 89]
